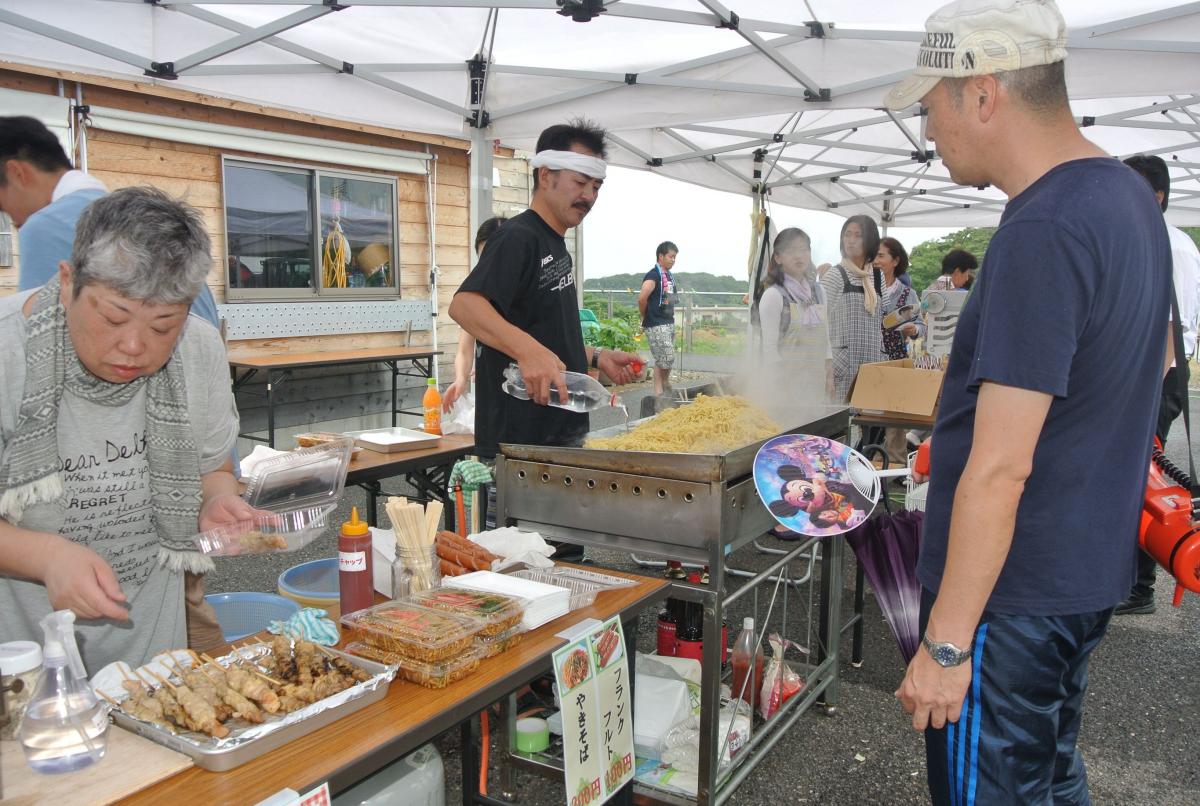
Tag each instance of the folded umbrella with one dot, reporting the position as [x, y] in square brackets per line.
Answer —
[887, 548]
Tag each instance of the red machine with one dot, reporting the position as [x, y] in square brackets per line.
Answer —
[1169, 531]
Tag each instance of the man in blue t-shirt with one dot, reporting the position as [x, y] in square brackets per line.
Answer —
[45, 196]
[1044, 430]
[656, 301]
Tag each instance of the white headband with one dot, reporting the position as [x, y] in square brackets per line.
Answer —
[570, 161]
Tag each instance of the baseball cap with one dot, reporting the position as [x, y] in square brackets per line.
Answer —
[979, 37]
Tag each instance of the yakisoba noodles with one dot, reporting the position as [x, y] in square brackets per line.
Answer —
[707, 425]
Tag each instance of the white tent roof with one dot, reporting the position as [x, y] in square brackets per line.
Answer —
[689, 88]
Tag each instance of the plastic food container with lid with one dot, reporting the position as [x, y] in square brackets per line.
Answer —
[499, 613]
[492, 645]
[416, 632]
[437, 674]
[300, 488]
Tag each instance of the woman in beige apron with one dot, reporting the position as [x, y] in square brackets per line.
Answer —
[795, 332]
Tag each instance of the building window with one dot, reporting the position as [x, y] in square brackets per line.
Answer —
[295, 233]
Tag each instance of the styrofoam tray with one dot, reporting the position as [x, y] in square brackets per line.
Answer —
[394, 439]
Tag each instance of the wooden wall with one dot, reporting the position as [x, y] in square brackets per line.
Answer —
[193, 173]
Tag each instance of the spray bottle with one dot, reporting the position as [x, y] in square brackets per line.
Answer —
[65, 726]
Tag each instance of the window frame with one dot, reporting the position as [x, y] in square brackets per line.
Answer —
[317, 293]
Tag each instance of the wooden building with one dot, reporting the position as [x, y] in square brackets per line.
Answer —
[214, 153]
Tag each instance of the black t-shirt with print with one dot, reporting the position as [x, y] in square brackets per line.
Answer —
[525, 272]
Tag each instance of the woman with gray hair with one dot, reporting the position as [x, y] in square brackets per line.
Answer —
[116, 424]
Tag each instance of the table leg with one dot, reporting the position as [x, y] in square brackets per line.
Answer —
[373, 489]
[856, 642]
[395, 373]
[270, 409]
[830, 626]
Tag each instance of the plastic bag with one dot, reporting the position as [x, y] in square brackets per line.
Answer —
[682, 742]
[461, 419]
[780, 681]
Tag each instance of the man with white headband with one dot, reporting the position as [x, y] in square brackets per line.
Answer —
[520, 301]
[1047, 414]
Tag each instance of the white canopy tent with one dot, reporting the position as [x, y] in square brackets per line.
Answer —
[753, 96]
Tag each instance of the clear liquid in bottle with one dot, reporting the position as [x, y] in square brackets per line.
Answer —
[65, 726]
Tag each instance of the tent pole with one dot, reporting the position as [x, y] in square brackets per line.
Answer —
[434, 271]
[481, 179]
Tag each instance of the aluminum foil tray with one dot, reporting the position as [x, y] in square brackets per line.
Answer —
[247, 742]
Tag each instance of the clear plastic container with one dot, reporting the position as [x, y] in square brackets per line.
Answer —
[314, 439]
[492, 645]
[583, 585]
[301, 487]
[499, 613]
[286, 531]
[412, 631]
[437, 674]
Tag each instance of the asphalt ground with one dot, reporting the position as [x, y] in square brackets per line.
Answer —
[1138, 736]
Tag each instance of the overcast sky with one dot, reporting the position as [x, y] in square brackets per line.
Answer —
[638, 210]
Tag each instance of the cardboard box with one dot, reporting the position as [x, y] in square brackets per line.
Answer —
[897, 389]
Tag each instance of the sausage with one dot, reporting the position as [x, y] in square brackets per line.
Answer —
[450, 569]
[464, 558]
[462, 544]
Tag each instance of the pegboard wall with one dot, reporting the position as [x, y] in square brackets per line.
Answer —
[282, 319]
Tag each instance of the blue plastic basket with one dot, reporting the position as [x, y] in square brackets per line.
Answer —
[243, 614]
[314, 583]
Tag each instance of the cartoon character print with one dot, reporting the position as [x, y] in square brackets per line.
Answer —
[816, 453]
[828, 503]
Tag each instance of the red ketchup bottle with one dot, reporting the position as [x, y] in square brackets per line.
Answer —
[355, 577]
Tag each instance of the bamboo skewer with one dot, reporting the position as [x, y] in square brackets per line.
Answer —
[162, 680]
[111, 701]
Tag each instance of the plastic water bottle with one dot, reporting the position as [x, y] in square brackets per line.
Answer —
[65, 727]
[584, 393]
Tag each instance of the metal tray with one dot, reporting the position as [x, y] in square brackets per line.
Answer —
[697, 467]
[225, 754]
[394, 439]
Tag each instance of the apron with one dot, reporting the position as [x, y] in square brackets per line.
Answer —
[804, 349]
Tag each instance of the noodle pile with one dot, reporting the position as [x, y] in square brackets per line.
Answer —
[707, 425]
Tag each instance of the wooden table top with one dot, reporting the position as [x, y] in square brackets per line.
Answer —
[367, 464]
[409, 716]
[258, 359]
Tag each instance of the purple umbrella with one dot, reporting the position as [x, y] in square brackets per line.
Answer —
[887, 548]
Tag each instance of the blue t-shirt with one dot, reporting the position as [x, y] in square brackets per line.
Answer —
[660, 310]
[47, 235]
[1072, 301]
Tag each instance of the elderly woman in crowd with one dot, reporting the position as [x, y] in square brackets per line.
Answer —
[116, 424]
[898, 297]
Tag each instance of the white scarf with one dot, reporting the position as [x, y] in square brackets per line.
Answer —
[870, 298]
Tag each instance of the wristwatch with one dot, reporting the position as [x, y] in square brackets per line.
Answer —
[596, 357]
[945, 654]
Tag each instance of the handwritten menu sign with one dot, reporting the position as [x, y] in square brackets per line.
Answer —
[593, 686]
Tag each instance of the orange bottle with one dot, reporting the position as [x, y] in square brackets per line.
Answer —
[432, 403]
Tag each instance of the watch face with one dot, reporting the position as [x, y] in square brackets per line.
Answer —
[944, 655]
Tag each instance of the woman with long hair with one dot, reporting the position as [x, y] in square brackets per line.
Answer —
[892, 262]
[795, 335]
[852, 288]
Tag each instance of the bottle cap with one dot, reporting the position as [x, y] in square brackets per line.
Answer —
[354, 526]
[431, 382]
[18, 657]
[748, 623]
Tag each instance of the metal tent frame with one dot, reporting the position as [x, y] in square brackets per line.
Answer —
[764, 92]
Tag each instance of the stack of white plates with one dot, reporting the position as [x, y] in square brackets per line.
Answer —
[542, 602]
